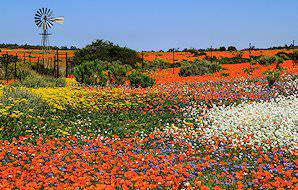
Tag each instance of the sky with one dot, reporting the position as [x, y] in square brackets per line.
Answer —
[155, 24]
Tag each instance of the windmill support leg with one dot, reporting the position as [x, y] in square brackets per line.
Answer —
[66, 65]
[15, 71]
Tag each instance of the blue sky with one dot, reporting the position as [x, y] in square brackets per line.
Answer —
[156, 24]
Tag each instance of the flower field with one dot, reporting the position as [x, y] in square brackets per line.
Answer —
[229, 129]
[123, 95]
[229, 133]
[187, 56]
[232, 71]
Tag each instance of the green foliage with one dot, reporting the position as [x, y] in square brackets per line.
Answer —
[211, 59]
[158, 63]
[101, 73]
[200, 67]
[226, 60]
[106, 51]
[222, 48]
[19, 69]
[138, 79]
[232, 48]
[223, 74]
[295, 55]
[284, 55]
[35, 80]
[28, 102]
[194, 51]
[267, 60]
[272, 76]
[202, 53]
[41, 69]
[5, 60]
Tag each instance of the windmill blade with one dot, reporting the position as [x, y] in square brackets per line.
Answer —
[38, 14]
[47, 11]
[59, 20]
[50, 14]
[38, 23]
[43, 10]
[49, 24]
[39, 11]
[37, 18]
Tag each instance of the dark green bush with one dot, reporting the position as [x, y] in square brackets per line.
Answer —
[267, 60]
[101, 73]
[226, 60]
[295, 55]
[232, 48]
[194, 51]
[159, 64]
[41, 69]
[200, 67]
[138, 79]
[107, 51]
[202, 53]
[272, 77]
[284, 55]
[222, 48]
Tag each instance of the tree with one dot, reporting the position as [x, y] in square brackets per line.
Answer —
[73, 47]
[5, 60]
[107, 51]
[222, 48]
[232, 48]
[64, 48]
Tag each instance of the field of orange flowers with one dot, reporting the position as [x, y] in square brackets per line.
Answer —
[187, 56]
[30, 55]
[232, 71]
[217, 131]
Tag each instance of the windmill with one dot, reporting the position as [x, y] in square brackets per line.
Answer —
[45, 19]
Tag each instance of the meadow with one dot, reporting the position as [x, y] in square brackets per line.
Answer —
[213, 131]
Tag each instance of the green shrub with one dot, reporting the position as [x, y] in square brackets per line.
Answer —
[232, 48]
[101, 73]
[202, 53]
[284, 55]
[272, 77]
[106, 51]
[267, 60]
[159, 64]
[295, 55]
[200, 67]
[138, 79]
[19, 69]
[41, 69]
